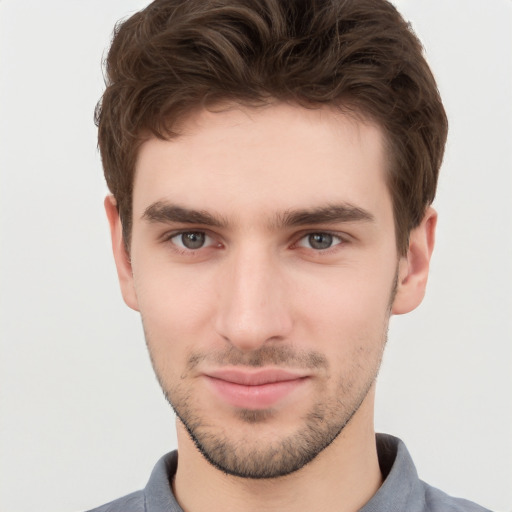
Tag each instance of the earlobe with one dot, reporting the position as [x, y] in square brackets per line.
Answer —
[414, 267]
[121, 257]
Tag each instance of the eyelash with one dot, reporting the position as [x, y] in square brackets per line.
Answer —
[342, 240]
[186, 251]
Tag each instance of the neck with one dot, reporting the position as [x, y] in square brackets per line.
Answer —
[342, 478]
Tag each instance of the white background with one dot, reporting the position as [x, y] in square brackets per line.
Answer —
[82, 417]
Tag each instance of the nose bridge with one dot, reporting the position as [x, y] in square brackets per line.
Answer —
[251, 309]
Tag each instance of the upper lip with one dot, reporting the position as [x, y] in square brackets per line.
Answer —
[251, 377]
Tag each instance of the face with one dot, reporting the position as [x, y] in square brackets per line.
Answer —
[264, 265]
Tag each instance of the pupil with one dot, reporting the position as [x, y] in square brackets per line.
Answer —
[193, 240]
[320, 240]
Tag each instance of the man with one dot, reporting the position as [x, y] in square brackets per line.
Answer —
[272, 166]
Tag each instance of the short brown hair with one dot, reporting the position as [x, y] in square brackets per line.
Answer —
[177, 55]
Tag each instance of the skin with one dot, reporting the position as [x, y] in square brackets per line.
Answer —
[263, 186]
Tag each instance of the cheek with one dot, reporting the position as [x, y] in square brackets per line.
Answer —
[345, 315]
[344, 296]
[175, 305]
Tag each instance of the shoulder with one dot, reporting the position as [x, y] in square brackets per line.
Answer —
[438, 501]
[133, 502]
[157, 496]
[402, 489]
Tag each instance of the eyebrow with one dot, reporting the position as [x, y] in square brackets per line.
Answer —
[162, 211]
[329, 214]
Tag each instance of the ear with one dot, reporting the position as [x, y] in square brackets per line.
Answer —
[413, 268]
[121, 256]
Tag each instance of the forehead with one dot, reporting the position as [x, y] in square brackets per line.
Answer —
[264, 160]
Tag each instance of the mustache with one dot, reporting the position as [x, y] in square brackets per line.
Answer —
[264, 356]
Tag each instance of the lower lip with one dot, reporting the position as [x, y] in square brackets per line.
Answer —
[262, 396]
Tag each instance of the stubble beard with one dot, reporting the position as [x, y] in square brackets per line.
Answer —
[265, 460]
[262, 459]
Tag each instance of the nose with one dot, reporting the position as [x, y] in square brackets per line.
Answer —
[253, 306]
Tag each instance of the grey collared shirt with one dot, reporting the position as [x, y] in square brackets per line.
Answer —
[402, 490]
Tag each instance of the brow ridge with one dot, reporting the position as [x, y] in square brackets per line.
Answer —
[329, 214]
[162, 211]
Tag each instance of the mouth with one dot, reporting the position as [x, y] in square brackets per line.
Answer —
[254, 389]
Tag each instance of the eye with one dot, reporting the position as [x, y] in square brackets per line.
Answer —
[319, 241]
[191, 240]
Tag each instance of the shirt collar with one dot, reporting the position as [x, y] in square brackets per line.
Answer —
[400, 491]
